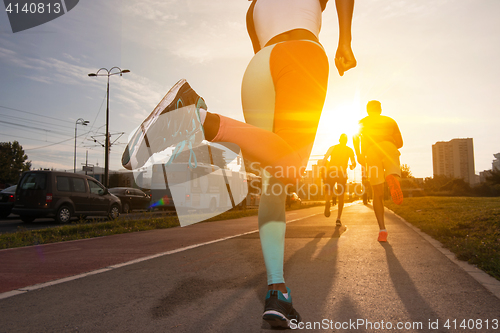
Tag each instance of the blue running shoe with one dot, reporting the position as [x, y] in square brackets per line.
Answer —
[174, 121]
[279, 311]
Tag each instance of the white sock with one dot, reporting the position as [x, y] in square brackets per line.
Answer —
[203, 116]
[286, 295]
[383, 230]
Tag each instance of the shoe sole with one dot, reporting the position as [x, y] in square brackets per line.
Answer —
[395, 189]
[140, 135]
[139, 149]
[276, 319]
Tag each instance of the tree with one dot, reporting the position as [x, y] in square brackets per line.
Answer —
[457, 186]
[405, 171]
[12, 162]
[494, 176]
[436, 182]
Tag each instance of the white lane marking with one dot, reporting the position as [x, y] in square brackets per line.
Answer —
[109, 268]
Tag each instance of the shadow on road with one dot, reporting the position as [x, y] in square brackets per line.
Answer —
[417, 307]
[300, 269]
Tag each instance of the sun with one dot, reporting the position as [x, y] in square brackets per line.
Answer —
[336, 120]
[344, 118]
[348, 117]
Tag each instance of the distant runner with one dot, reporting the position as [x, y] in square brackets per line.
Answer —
[377, 145]
[336, 173]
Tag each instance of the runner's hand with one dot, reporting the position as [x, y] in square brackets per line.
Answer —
[344, 58]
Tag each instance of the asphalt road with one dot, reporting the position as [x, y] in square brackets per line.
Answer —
[339, 277]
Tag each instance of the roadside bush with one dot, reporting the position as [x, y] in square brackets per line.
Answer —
[457, 186]
[482, 190]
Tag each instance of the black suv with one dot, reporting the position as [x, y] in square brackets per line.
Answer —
[62, 195]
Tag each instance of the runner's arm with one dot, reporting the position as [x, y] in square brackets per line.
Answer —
[344, 58]
[328, 153]
[398, 139]
[356, 142]
[324, 161]
[353, 161]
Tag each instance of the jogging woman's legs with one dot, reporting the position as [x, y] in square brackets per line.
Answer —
[283, 92]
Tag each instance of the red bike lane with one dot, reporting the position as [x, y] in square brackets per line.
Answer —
[32, 265]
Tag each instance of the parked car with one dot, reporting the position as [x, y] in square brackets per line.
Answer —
[131, 198]
[293, 198]
[62, 195]
[7, 197]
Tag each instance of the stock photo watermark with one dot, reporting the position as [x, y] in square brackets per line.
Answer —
[25, 15]
[412, 326]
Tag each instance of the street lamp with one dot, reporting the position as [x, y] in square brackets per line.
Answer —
[79, 121]
[106, 155]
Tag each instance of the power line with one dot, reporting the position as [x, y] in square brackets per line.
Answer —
[38, 140]
[35, 128]
[33, 121]
[48, 117]
[80, 143]
[38, 136]
[46, 130]
[35, 114]
[100, 108]
[56, 143]
[22, 137]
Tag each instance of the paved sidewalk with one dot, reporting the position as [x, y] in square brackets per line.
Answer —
[342, 279]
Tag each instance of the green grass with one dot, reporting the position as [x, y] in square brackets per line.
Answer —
[467, 226]
[83, 229]
[96, 228]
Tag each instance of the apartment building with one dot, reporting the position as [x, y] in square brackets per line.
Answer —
[496, 162]
[454, 158]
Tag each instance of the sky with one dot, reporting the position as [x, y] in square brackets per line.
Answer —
[433, 64]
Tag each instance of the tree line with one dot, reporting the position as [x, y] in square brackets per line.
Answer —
[449, 186]
[13, 162]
